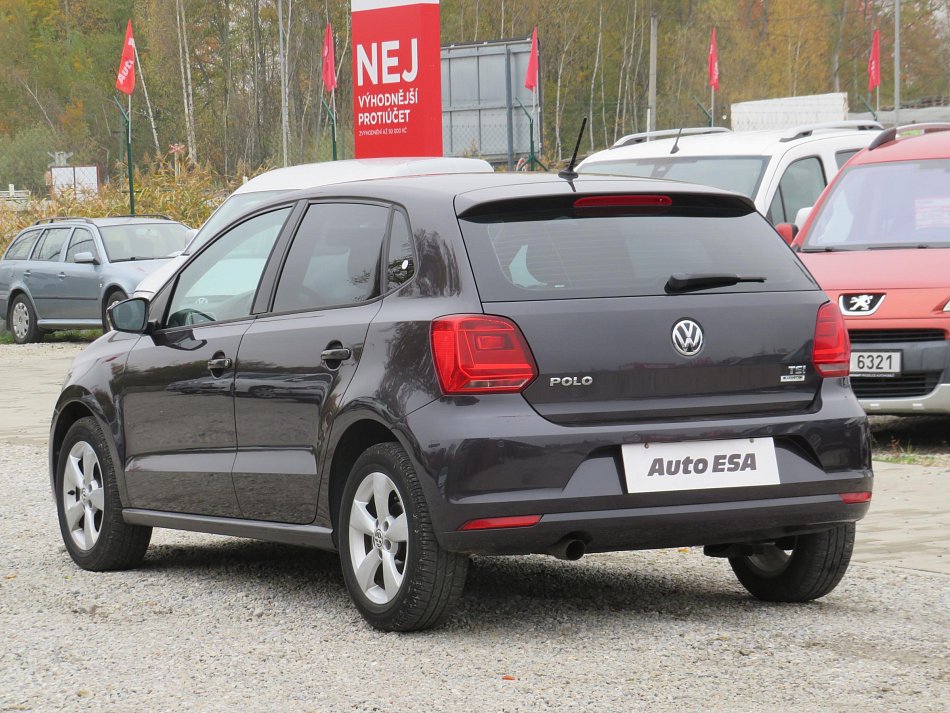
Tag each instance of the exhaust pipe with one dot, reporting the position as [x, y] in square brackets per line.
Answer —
[568, 549]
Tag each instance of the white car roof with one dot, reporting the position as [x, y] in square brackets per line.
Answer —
[312, 175]
[734, 143]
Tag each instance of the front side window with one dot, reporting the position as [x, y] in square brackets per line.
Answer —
[799, 188]
[221, 282]
[20, 249]
[334, 259]
[885, 205]
[82, 242]
[51, 244]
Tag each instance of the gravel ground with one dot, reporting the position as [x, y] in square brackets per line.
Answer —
[212, 624]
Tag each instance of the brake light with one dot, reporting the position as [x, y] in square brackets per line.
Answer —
[480, 354]
[645, 201]
[831, 353]
[855, 498]
[491, 523]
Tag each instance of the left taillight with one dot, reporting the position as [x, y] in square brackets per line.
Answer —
[480, 354]
[831, 353]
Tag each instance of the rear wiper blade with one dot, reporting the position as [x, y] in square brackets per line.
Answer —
[683, 281]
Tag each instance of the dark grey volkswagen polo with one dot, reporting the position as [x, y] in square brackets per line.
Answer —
[414, 370]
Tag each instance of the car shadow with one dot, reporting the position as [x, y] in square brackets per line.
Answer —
[499, 592]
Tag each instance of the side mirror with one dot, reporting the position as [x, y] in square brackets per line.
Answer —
[788, 231]
[130, 315]
[802, 215]
[86, 259]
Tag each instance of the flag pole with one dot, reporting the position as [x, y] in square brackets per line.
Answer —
[712, 106]
[148, 104]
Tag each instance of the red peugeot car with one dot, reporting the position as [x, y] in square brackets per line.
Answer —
[878, 242]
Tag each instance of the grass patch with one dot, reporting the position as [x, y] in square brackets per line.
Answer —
[81, 336]
[897, 452]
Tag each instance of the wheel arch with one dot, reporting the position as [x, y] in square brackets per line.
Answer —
[360, 434]
[71, 409]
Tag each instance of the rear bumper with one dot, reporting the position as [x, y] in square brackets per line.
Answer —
[659, 527]
[496, 457]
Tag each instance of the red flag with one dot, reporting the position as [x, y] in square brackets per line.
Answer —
[713, 62]
[874, 61]
[531, 76]
[329, 62]
[125, 80]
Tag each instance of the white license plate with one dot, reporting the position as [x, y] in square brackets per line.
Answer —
[698, 465]
[875, 363]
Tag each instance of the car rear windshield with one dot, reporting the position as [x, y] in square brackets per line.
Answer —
[548, 252]
[885, 205]
[143, 241]
[741, 174]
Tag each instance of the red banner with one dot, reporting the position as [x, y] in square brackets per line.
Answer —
[329, 63]
[125, 79]
[713, 61]
[397, 78]
[874, 62]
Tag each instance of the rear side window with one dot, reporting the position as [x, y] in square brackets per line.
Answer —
[51, 244]
[21, 246]
[400, 264]
[842, 157]
[334, 259]
[560, 255]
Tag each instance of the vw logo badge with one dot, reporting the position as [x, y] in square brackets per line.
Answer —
[687, 337]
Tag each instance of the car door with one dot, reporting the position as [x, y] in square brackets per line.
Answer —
[80, 284]
[44, 275]
[296, 361]
[177, 391]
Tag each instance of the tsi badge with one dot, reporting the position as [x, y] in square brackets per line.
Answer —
[571, 381]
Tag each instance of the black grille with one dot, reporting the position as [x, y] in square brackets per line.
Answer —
[905, 386]
[878, 336]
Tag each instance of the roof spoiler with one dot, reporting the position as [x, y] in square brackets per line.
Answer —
[891, 134]
[640, 138]
[800, 132]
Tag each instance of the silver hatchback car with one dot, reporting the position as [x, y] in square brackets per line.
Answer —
[64, 273]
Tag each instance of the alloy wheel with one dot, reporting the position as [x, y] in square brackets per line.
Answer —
[83, 495]
[378, 538]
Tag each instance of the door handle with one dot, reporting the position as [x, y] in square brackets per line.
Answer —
[62, 276]
[219, 363]
[26, 273]
[338, 354]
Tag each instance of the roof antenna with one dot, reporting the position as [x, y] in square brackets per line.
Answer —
[569, 174]
[676, 143]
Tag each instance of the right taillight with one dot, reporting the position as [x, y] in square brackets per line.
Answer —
[480, 354]
[832, 351]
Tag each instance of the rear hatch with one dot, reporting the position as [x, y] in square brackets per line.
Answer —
[643, 307]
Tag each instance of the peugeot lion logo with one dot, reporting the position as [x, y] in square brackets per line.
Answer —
[860, 303]
[687, 337]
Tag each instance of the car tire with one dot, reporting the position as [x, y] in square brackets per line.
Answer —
[397, 574]
[112, 298]
[21, 321]
[87, 500]
[809, 569]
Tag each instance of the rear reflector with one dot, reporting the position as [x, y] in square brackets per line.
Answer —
[491, 523]
[623, 202]
[854, 498]
[831, 353]
[480, 354]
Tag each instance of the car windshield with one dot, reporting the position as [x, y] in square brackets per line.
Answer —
[741, 174]
[143, 241]
[885, 205]
[232, 207]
